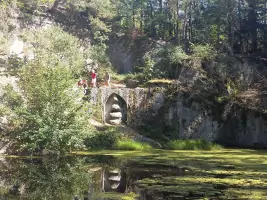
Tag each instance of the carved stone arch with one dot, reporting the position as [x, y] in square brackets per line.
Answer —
[115, 111]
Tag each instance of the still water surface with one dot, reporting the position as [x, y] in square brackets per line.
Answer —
[159, 176]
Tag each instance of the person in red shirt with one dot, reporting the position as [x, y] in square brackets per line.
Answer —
[93, 76]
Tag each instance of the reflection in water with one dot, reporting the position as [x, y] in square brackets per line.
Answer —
[62, 178]
[43, 178]
[76, 178]
[66, 178]
[105, 178]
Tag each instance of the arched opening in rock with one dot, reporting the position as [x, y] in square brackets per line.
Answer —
[115, 110]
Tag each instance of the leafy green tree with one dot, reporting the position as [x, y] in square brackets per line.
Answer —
[48, 114]
[53, 45]
[50, 117]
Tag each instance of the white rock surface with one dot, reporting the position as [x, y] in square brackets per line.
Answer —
[116, 107]
[116, 115]
[115, 121]
[17, 48]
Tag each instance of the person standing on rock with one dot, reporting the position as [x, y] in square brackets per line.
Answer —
[107, 79]
[93, 76]
[84, 83]
[85, 88]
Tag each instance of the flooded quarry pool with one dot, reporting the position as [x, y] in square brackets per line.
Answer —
[156, 175]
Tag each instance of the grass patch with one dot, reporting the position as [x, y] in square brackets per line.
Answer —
[192, 145]
[118, 78]
[115, 196]
[132, 145]
[158, 83]
[122, 78]
[113, 139]
[166, 81]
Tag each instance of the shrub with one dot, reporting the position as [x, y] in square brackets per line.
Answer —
[204, 52]
[173, 55]
[232, 90]
[111, 139]
[50, 117]
[172, 59]
[132, 145]
[191, 145]
[176, 55]
[103, 140]
[147, 70]
[129, 76]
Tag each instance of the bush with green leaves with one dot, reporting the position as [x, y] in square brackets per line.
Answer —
[191, 145]
[147, 69]
[233, 90]
[172, 59]
[205, 52]
[106, 139]
[52, 46]
[175, 55]
[49, 117]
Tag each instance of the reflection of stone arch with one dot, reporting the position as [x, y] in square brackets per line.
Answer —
[115, 110]
[113, 180]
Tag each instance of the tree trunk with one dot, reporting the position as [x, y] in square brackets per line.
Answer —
[161, 24]
[240, 45]
[185, 24]
[142, 18]
[177, 22]
[252, 18]
[152, 28]
[133, 18]
[265, 30]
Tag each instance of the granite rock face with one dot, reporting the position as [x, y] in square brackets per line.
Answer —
[193, 118]
[16, 48]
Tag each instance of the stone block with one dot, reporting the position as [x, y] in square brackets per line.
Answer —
[115, 107]
[115, 121]
[116, 115]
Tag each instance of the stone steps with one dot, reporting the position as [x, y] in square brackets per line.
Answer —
[115, 121]
[115, 107]
[116, 115]
[115, 178]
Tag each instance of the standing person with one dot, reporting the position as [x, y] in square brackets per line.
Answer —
[107, 79]
[93, 76]
[85, 87]
[82, 82]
